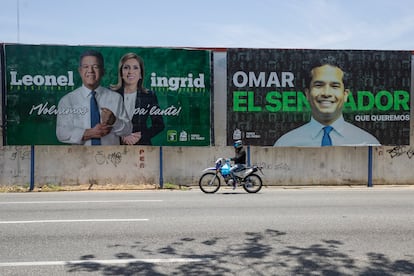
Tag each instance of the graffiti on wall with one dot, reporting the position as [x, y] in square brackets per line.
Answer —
[401, 151]
[20, 153]
[114, 158]
[15, 155]
[277, 166]
[141, 158]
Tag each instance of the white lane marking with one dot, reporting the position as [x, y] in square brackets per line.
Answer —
[116, 261]
[80, 201]
[69, 220]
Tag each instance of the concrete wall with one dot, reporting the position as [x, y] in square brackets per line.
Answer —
[74, 165]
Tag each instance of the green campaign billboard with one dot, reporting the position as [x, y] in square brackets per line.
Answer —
[299, 97]
[37, 77]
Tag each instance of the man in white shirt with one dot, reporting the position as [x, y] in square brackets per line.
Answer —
[327, 127]
[74, 122]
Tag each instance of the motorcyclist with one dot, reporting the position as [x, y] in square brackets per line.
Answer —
[239, 160]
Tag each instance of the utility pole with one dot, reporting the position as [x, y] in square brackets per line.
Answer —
[18, 21]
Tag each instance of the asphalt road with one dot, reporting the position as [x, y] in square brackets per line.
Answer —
[307, 231]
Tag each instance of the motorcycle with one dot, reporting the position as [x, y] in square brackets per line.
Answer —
[210, 181]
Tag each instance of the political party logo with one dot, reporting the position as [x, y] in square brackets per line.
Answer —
[172, 136]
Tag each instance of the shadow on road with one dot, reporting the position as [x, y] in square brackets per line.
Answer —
[259, 253]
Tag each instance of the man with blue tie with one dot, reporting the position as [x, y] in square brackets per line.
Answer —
[92, 114]
[326, 95]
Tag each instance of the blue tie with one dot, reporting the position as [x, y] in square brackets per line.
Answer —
[95, 116]
[326, 139]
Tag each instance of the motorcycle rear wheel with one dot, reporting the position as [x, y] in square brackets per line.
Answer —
[252, 184]
[209, 183]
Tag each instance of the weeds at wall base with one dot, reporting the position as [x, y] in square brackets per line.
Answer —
[89, 187]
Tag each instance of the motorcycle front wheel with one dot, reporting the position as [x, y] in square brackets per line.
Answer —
[252, 184]
[209, 183]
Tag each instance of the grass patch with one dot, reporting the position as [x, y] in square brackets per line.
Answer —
[171, 186]
[90, 187]
[14, 189]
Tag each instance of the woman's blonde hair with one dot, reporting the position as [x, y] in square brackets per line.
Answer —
[124, 58]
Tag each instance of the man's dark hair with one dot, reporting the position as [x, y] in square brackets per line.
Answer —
[92, 53]
[328, 60]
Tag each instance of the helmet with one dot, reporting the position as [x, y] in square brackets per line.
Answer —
[238, 144]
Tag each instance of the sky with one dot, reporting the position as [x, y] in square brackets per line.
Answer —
[309, 24]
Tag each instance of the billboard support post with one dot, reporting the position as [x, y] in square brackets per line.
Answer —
[32, 167]
[370, 166]
[161, 170]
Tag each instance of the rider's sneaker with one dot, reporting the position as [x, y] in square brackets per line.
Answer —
[234, 185]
